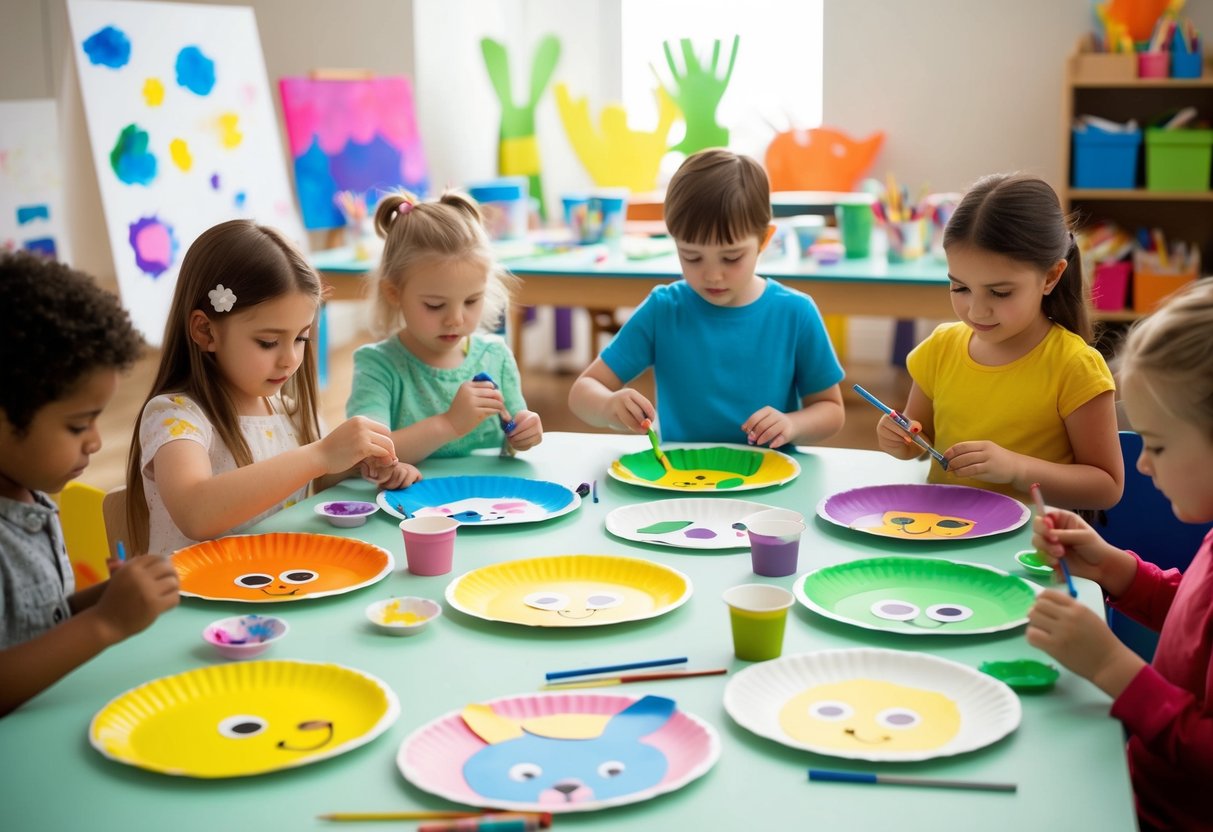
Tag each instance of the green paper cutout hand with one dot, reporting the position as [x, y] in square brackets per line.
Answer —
[698, 92]
[518, 149]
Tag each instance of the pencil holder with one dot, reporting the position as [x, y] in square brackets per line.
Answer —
[1110, 285]
[906, 240]
[1185, 62]
[1152, 284]
[1153, 64]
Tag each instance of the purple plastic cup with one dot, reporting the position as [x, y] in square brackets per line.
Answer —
[774, 546]
[429, 544]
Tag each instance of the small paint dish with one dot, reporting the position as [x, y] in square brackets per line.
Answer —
[244, 636]
[1031, 560]
[403, 616]
[1023, 675]
[346, 514]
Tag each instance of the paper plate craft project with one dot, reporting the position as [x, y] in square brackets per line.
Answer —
[277, 567]
[718, 468]
[918, 596]
[871, 704]
[236, 720]
[559, 752]
[924, 511]
[481, 500]
[569, 591]
[691, 523]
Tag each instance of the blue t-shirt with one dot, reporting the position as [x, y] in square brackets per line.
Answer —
[717, 365]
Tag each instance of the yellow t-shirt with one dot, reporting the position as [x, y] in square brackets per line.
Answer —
[1021, 406]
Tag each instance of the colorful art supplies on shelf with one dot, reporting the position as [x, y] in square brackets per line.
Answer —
[346, 514]
[924, 512]
[279, 567]
[904, 424]
[244, 636]
[467, 755]
[707, 469]
[403, 616]
[481, 500]
[831, 701]
[1105, 153]
[235, 720]
[820, 775]
[569, 591]
[696, 523]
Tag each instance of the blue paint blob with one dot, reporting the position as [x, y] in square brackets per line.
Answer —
[195, 71]
[29, 213]
[44, 246]
[214, 181]
[241, 198]
[108, 47]
[130, 158]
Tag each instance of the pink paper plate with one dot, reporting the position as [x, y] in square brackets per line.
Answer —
[433, 757]
[924, 511]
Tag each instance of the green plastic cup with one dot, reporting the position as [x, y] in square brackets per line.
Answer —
[758, 614]
[855, 223]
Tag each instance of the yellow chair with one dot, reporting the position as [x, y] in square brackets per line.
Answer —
[80, 512]
[113, 510]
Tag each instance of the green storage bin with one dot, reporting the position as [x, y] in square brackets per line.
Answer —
[1178, 160]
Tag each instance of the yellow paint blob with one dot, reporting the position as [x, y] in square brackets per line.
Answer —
[392, 614]
[179, 427]
[229, 132]
[153, 92]
[179, 150]
[867, 714]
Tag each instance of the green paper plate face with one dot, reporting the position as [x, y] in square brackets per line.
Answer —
[918, 596]
[707, 470]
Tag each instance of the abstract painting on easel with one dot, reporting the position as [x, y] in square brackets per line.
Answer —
[31, 179]
[183, 136]
[357, 135]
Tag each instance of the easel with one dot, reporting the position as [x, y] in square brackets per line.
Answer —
[334, 237]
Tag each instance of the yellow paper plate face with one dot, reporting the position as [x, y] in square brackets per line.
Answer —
[282, 566]
[707, 470]
[234, 720]
[569, 591]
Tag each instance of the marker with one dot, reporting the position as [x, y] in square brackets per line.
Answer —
[507, 424]
[904, 424]
[827, 775]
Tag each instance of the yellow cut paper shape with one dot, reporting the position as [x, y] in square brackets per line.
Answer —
[869, 714]
[614, 155]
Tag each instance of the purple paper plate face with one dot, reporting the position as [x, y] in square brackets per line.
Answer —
[924, 511]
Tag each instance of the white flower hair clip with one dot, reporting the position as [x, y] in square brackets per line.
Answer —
[222, 298]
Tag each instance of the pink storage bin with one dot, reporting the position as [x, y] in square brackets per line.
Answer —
[1110, 286]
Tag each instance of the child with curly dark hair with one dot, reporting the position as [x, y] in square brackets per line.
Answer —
[67, 340]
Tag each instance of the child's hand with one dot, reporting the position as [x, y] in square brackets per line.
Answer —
[983, 460]
[389, 477]
[136, 594]
[1080, 639]
[528, 430]
[627, 408]
[894, 441]
[474, 402]
[768, 426]
[1064, 534]
[354, 440]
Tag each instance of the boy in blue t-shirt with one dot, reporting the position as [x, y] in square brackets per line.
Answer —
[737, 356]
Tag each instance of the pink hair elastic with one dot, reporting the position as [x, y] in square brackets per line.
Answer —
[405, 207]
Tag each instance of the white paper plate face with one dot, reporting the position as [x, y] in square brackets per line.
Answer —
[692, 523]
[872, 704]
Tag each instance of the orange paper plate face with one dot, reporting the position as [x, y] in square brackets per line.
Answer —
[283, 566]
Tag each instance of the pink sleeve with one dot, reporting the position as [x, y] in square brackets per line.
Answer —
[1169, 721]
[1149, 597]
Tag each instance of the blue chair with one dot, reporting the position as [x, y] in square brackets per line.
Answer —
[1143, 522]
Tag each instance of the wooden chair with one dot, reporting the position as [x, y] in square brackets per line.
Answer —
[113, 510]
[84, 532]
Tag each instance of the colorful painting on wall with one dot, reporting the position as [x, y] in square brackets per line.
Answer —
[31, 179]
[183, 136]
[351, 135]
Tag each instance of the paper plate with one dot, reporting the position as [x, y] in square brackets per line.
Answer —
[691, 523]
[918, 596]
[282, 566]
[870, 704]
[924, 511]
[718, 468]
[482, 501]
[602, 750]
[235, 720]
[569, 591]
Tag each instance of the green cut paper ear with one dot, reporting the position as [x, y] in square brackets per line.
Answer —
[697, 91]
[665, 527]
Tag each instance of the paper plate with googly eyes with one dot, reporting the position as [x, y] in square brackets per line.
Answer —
[707, 470]
[479, 501]
[569, 591]
[930, 512]
[918, 596]
[279, 567]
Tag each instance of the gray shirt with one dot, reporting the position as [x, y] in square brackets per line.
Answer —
[35, 574]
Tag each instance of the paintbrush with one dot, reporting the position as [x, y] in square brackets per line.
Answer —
[647, 424]
[904, 424]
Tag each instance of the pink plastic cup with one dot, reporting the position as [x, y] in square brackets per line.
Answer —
[429, 544]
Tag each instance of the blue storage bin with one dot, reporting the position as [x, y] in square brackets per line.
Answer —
[1105, 160]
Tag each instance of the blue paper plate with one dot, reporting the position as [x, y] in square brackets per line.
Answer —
[481, 501]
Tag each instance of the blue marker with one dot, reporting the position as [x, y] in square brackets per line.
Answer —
[507, 425]
[121, 552]
[904, 424]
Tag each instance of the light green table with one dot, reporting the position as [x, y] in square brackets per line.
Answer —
[1067, 755]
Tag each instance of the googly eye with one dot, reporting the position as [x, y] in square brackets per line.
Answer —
[242, 726]
[898, 718]
[603, 600]
[549, 601]
[254, 580]
[611, 768]
[891, 609]
[948, 613]
[830, 710]
[298, 576]
[524, 772]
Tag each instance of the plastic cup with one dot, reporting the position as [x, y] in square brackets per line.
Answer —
[758, 614]
[429, 544]
[907, 240]
[774, 546]
[774, 514]
[855, 223]
[576, 207]
[604, 217]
